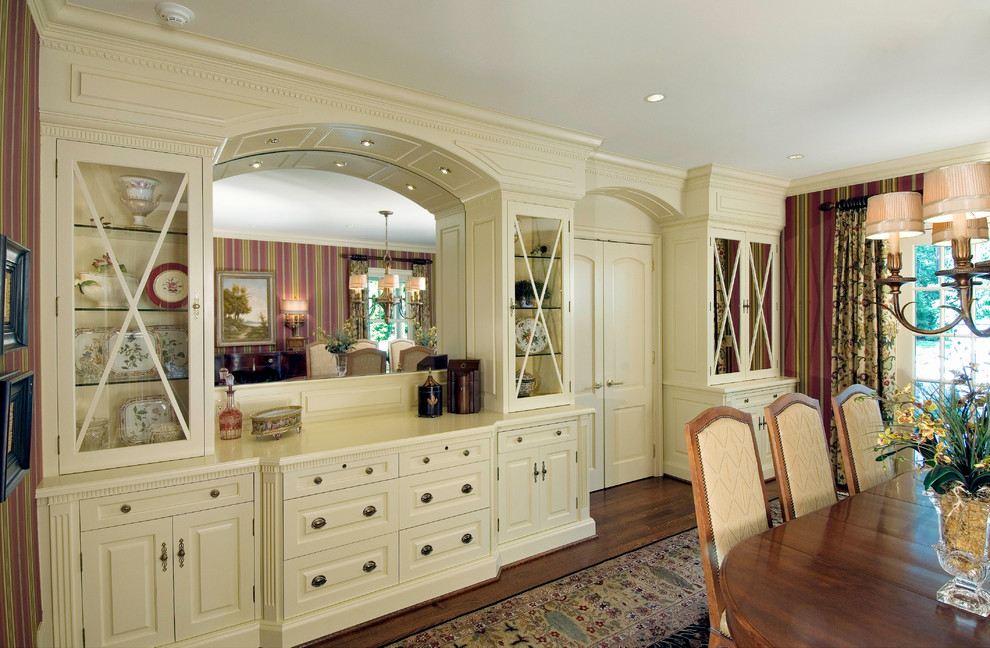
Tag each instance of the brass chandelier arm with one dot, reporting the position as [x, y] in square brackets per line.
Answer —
[898, 312]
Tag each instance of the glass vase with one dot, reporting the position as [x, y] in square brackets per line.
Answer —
[230, 419]
[963, 531]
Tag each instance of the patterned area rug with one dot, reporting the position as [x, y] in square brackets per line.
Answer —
[652, 597]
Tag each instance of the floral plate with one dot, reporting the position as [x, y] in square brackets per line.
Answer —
[172, 345]
[134, 358]
[144, 416]
[168, 285]
[531, 328]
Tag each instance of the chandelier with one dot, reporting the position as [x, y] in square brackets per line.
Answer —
[388, 297]
[956, 202]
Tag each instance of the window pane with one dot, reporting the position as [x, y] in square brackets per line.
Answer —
[951, 298]
[981, 356]
[958, 354]
[981, 309]
[926, 309]
[981, 251]
[946, 258]
[926, 358]
[923, 390]
[925, 265]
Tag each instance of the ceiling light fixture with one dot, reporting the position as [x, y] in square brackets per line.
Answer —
[410, 186]
[368, 142]
[654, 98]
[795, 156]
[340, 163]
[444, 170]
[257, 164]
[272, 140]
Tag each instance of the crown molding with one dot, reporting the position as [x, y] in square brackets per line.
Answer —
[255, 235]
[890, 169]
[619, 167]
[724, 177]
[50, 127]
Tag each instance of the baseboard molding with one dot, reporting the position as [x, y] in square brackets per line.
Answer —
[530, 546]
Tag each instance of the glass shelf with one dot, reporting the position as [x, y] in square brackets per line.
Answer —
[538, 256]
[520, 354]
[156, 379]
[537, 308]
[123, 309]
[130, 232]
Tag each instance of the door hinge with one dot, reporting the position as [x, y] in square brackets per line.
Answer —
[653, 357]
[58, 445]
[252, 526]
[568, 226]
[576, 456]
[84, 637]
[653, 264]
[56, 307]
[568, 307]
[576, 502]
[498, 524]
[252, 594]
[498, 474]
[80, 562]
[654, 451]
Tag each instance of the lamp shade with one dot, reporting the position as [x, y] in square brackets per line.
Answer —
[976, 230]
[295, 306]
[957, 189]
[898, 212]
[358, 282]
[416, 283]
[389, 281]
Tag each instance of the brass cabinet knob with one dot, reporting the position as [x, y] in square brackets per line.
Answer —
[369, 511]
[426, 460]
[426, 498]
[126, 508]
[518, 439]
[319, 581]
[318, 523]
[559, 432]
[467, 538]
[370, 566]
[467, 488]
[467, 453]
[426, 550]
[317, 480]
[369, 470]
[214, 493]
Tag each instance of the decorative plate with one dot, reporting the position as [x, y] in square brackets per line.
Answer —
[134, 358]
[527, 328]
[144, 416]
[90, 353]
[172, 345]
[168, 285]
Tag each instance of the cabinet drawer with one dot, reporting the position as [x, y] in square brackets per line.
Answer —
[340, 517]
[100, 512]
[321, 579]
[297, 483]
[443, 493]
[443, 456]
[440, 545]
[749, 401]
[524, 437]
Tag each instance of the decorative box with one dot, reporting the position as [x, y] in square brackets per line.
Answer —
[277, 421]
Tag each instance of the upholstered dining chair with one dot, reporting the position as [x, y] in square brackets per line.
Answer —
[730, 499]
[364, 343]
[320, 363]
[409, 358]
[394, 349]
[365, 362]
[800, 455]
[858, 424]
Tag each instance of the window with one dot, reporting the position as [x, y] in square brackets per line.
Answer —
[384, 334]
[936, 357]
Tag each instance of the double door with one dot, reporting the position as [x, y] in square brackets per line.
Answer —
[614, 314]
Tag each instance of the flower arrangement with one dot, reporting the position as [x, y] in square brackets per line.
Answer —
[340, 342]
[425, 337]
[951, 431]
[104, 265]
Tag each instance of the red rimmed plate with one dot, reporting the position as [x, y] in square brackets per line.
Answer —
[168, 285]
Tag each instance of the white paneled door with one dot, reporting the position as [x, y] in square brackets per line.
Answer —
[614, 318]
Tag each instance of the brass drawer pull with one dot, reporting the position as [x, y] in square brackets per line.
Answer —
[467, 453]
[745, 400]
[467, 538]
[181, 553]
[317, 480]
[319, 581]
[426, 460]
[369, 470]
[426, 550]
[214, 493]
[164, 557]
[370, 566]
[467, 488]
[426, 498]
[318, 523]
[369, 511]
[126, 508]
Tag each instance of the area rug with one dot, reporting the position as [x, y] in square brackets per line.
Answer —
[653, 597]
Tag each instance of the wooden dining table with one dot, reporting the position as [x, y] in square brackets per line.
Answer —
[859, 573]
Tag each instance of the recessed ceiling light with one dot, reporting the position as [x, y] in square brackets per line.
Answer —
[796, 156]
[654, 98]
[367, 142]
[272, 140]
[348, 227]
[444, 170]
[257, 163]
[340, 163]
[410, 186]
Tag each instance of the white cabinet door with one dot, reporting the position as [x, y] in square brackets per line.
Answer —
[127, 584]
[558, 480]
[214, 569]
[518, 494]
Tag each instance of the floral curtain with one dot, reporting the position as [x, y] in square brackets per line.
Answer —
[862, 331]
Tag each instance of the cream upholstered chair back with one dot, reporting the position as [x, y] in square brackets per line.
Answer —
[409, 358]
[394, 349]
[365, 362]
[800, 455]
[730, 498]
[364, 343]
[320, 363]
[858, 424]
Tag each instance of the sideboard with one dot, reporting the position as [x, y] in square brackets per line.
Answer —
[260, 366]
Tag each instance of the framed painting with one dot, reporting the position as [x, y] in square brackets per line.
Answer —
[17, 396]
[14, 293]
[245, 308]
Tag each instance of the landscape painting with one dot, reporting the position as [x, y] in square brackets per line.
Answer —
[245, 308]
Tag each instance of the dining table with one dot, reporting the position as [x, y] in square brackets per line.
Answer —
[859, 573]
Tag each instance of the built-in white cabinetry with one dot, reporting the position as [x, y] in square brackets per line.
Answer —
[537, 479]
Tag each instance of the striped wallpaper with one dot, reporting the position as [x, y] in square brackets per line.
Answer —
[807, 250]
[20, 599]
[303, 271]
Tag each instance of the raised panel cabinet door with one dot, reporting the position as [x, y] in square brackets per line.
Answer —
[519, 494]
[559, 483]
[213, 567]
[127, 585]
[589, 345]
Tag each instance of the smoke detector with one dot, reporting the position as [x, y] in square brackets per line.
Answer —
[173, 14]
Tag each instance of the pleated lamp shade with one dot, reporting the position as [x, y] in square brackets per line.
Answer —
[957, 189]
[357, 282]
[416, 283]
[898, 212]
[389, 281]
[976, 230]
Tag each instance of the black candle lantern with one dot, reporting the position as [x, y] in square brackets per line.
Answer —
[431, 398]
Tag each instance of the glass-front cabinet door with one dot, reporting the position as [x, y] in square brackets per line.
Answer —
[539, 326]
[130, 288]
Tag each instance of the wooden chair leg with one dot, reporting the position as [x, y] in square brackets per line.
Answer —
[718, 640]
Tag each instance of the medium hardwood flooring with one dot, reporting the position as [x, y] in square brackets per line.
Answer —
[627, 517]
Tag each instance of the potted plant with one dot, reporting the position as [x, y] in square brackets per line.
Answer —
[341, 341]
[528, 292]
[425, 337]
[950, 429]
